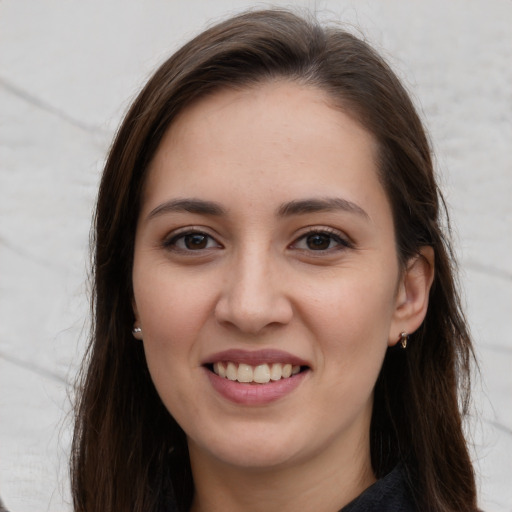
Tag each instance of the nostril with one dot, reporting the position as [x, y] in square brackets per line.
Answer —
[252, 307]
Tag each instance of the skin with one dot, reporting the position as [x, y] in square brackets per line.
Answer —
[258, 281]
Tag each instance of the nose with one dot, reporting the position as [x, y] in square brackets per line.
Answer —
[254, 297]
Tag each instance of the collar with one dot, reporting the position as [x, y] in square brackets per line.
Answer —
[389, 494]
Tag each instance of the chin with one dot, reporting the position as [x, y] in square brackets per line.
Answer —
[257, 460]
[257, 452]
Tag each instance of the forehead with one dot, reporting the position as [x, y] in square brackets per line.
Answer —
[277, 138]
[278, 106]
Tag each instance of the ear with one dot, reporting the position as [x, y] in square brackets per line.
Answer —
[413, 294]
[137, 330]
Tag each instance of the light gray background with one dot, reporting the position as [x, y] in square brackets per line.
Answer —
[68, 69]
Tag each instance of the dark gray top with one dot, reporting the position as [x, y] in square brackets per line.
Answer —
[389, 494]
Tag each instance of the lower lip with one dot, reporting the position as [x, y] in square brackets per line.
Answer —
[254, 394]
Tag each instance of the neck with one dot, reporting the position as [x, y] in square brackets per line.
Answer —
[325, 483]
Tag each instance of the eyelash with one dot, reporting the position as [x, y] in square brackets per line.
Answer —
[171, 243]
[333, 235]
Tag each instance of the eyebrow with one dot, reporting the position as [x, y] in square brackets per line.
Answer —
[304, 206]
[198, 206]
[296, 207]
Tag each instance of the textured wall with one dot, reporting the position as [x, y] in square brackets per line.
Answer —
[67, 72]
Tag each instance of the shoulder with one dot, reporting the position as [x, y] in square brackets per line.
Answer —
[389, 494]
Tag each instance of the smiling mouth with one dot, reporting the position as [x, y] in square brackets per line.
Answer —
[260, 374]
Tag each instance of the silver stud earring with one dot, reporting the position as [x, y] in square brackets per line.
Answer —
[404, 337]
[136, 330]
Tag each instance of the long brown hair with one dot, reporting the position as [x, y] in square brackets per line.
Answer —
[128, 452]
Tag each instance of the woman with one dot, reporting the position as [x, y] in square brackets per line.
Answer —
[276, 325]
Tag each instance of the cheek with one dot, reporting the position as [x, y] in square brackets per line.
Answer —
[172, 305]
[355, 301]
[351, 318]
[172, 309]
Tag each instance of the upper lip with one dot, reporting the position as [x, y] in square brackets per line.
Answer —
[255, 358]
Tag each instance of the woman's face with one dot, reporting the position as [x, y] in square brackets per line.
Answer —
[265, 277]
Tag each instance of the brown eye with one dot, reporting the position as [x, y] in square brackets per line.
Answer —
[191, 241]
[195, 241]
[319, 241]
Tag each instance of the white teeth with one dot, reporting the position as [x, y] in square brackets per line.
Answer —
[245, 373]
[276, 372]
[231, 371]
[220, 369]
[260, 374]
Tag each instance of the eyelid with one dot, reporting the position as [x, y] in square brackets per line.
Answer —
[340, 237]
[170, 239]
